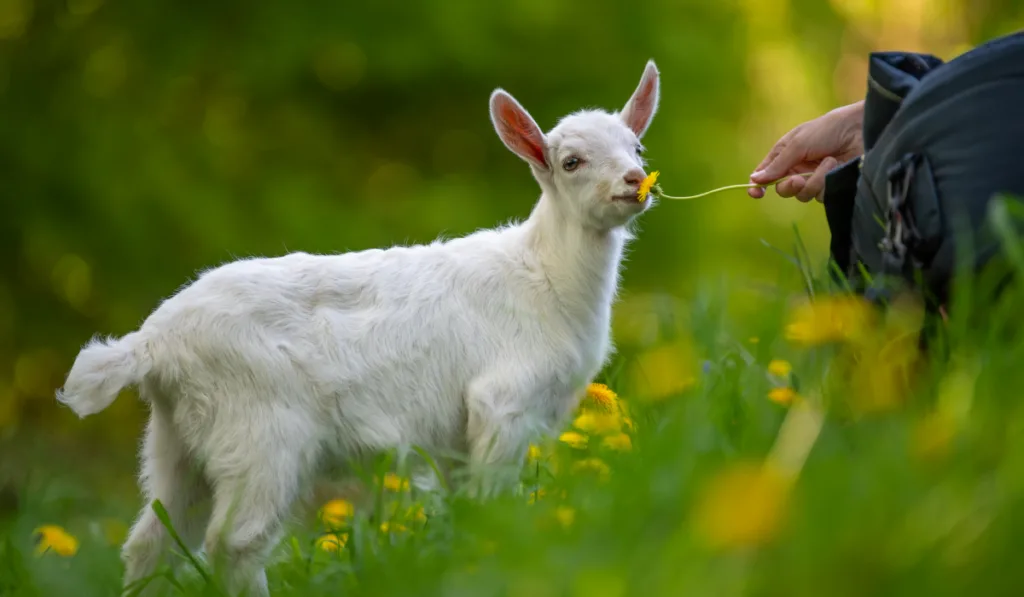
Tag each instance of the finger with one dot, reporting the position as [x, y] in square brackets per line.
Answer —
[789, 156]
[772, 154]
[758, 177]
[800, 168]
[816, 183]
[790, 186]
[776, 149]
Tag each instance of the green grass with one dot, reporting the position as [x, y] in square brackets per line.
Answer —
[920, 496]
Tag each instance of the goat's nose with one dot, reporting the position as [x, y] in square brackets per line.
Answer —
[634, 177]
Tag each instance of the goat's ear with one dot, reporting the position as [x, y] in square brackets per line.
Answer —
[640, 108]
[517, 129]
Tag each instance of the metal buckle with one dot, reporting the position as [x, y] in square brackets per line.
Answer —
[894, 243]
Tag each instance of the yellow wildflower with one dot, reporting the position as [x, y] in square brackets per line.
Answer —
[335, 512]
[592, 465]
[565, 516]
[536, 495]
[877, 370]
[416, 513]
[780, 368]
[55, 539]
[601, 397]
[533, 453]
[828, 320]
[743, 506]
[393, 482]
[664, 371]
[646, 185]
[574, 439]
[599, 423]
[879, 380]
[332, 542]
[783, 395]
[397, 527]
[619, 441]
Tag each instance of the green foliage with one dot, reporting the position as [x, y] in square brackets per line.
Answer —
[920, 494]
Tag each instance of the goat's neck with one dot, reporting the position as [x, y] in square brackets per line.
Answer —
[581, 264]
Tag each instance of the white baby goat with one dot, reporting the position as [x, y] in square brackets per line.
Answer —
[263, 371]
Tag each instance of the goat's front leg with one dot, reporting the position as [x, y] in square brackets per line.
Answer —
[500, 426]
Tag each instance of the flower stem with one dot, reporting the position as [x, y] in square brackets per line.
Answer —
[751, 185]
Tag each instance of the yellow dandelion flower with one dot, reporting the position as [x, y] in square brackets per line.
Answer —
[878, 368]
[619, 442]
[534, 453]
[602, 398]
[592, 465]
[663, 371]
[742, 506]
[828, 320]
[597, 423]
[565, 516]
[646, 185]
[574, 439]
[536, 495]
[396, 527]
[335, 512]
[332, 542]
[416, 513]
[52, 538]
[783, 395]
[780, 368]
[393, 482]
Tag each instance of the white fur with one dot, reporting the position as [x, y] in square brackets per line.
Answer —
[264, 371]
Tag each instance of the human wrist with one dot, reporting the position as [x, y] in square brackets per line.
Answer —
[852, 118]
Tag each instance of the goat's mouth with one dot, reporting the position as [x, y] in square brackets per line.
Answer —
[627, 197]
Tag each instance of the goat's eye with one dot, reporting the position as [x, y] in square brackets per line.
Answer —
[571, 163]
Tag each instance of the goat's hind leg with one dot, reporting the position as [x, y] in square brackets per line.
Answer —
[255, 486]
[168, 476]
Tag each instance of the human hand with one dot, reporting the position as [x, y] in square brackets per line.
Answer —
[815, 147]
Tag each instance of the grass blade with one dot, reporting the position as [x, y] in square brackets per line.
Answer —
[165, 519]
[433, 465]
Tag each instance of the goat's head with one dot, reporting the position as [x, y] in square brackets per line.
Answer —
[590, 164]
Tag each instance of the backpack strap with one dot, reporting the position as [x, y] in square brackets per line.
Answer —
[838, 198]
[892, 76]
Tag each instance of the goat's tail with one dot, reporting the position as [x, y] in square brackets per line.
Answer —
[102, 369]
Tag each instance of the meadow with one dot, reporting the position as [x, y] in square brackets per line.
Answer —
[757, 433]
[813, 450]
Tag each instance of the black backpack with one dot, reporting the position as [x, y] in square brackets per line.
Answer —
[941, 140]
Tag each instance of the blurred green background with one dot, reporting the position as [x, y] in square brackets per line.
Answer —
[142, 142]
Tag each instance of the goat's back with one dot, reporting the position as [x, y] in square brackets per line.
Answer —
[382, 343]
